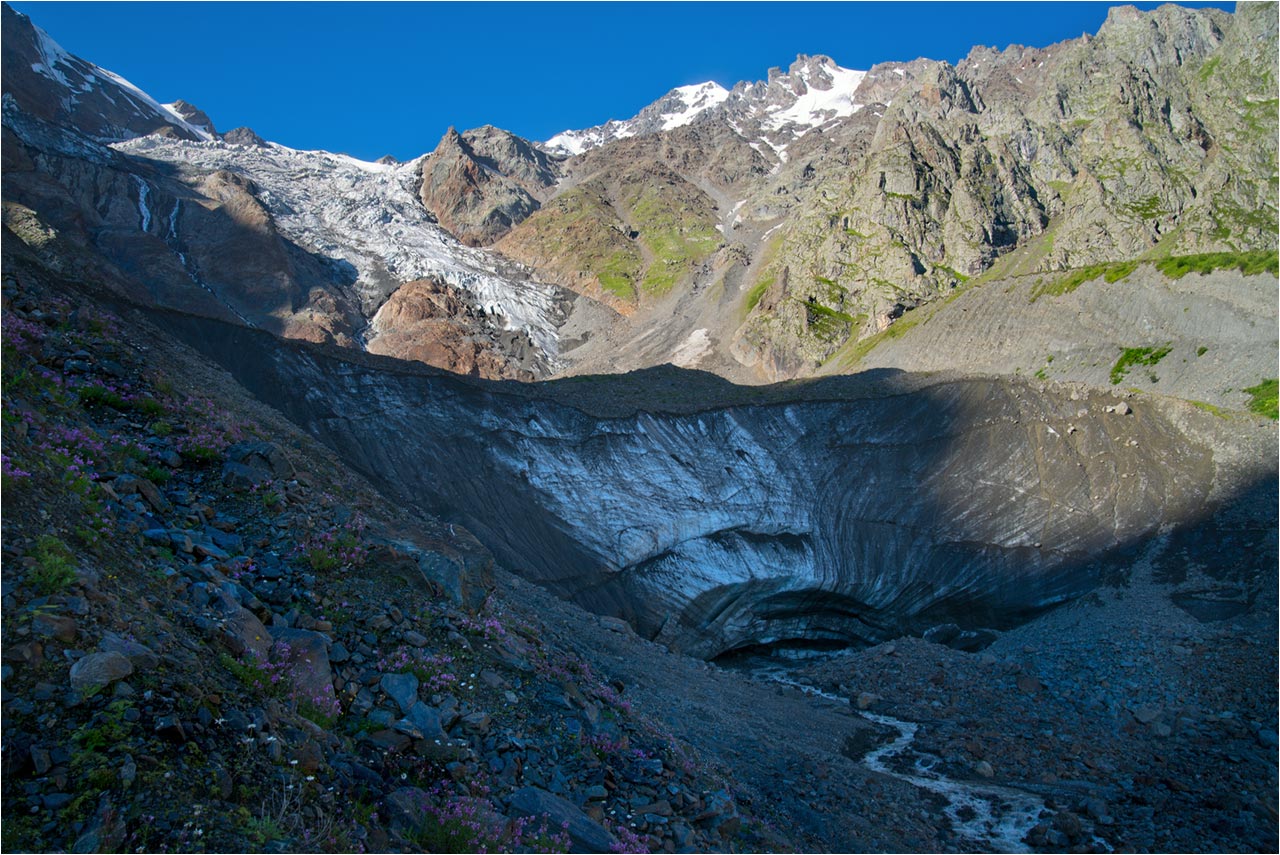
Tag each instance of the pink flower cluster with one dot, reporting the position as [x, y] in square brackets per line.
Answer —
[452, 823]
[433, 670]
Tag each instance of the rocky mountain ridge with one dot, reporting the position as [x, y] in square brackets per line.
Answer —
[764, 232]
[1134, 143]
[46, 81]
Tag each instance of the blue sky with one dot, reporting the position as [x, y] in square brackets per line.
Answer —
[389, 78]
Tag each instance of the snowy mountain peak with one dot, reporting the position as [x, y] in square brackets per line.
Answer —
[678, 107]
[813, 92]
[694, 100]
[822, 90]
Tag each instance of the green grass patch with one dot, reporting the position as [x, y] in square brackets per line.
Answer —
[757, 292]
[617, 284]
[1132, 357]
[55, 566]
[853, 352]
[677, 234]
[1248, 263]
[826, 323]
[951, 272]
[1111, 271]
[1148, 208]
[1209, 408]
[1264, 399]
[1206, 71]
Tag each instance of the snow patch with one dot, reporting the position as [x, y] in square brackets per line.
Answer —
[696, 99]
[52, 55]
[819, 106]
[692, 350]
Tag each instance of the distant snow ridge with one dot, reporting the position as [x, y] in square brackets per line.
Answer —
[368, 215]
[678, 107]
[814, 92]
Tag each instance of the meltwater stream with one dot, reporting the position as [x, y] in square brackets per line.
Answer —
[992, 817]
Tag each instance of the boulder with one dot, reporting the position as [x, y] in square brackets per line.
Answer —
[97, 670]
[139, 655]
[460, 572]
[251, 463]
[585, 834]
[402, 688]
[127, 484]
[307, 655]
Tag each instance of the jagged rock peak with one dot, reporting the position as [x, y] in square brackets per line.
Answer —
[193, 114]
[480, 183]
[244, 136]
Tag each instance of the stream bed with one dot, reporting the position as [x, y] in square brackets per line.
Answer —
[989, 817]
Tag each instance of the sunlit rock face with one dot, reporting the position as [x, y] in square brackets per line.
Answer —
[976, 502]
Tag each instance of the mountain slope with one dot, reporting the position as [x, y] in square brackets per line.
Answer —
[852, 198]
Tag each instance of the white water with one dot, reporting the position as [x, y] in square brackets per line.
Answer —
[144, 210]
[994, 817]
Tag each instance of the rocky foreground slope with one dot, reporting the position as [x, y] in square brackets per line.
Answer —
[218, 636]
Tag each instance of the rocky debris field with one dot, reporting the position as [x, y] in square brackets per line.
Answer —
[215, 638]
[1139, 724]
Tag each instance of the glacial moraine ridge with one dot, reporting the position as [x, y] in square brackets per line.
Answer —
[911, 503]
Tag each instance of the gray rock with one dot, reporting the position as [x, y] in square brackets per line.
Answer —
[585, 834]
[402, 688]
[306, 653]
[142, 657]
[460, 571]
[127, 484]
[405, 807]
[170, 727]
[98, 670]
[61, 627]
[244, 136]
[427, 721]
